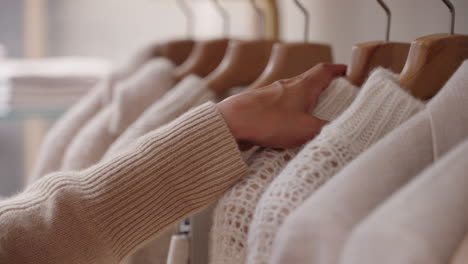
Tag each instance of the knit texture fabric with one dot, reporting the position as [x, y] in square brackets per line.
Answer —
[189, 93]
[424, 222]
[131, 98]
[104, 213]
[234, 211]
[323, 223]
[380, 106]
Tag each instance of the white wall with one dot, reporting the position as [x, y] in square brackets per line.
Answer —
[11, 23]
[115, 28]
[346, 22]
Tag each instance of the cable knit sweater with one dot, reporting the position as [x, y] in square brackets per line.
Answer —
[103, 213]
[234, 211]
[189, 93]
[61, 134]
[424, 222]
[131, 98]
[380, 106]
[370, 179]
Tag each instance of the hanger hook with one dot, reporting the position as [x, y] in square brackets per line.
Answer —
[260, 16]
[306, 19]
[224, 16]
[389, 18]
[452, 14]
[189, 16]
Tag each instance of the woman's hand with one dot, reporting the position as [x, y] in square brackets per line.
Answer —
[279, 115]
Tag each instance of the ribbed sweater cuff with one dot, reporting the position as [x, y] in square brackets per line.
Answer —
[335, 99]
[142, 191]
[166, 176]
[380, 106]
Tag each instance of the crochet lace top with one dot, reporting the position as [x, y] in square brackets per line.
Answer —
[189, 93]
[380, 106]
[233, 213]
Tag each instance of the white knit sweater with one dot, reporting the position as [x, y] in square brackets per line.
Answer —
[233, 213]
[132, 97]
[61, 134]
[190, 92]
[380, 107]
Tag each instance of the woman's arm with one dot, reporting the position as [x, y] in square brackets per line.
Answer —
[101, 214]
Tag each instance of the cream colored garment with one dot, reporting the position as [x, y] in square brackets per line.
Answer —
[234, 211]
[190, 92]
[318, 229]
[131, 98]
[103, 213]
[424, 222]
[65, 129]
[179, 250]
[461, 256]
[380, 106]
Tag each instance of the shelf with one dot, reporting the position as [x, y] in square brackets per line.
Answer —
[26, 114]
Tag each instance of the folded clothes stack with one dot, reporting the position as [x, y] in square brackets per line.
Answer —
[52, 83]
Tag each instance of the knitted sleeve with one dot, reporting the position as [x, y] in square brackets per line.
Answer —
[234, 211]
[132, 96]
[380, 106]
[103, 213]
[189, 93]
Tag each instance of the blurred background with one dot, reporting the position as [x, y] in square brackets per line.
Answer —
[91, 37]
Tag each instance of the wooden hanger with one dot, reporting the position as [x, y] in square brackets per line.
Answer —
[290, 59]
[433, 59]
[204, 58]
[206, 55]
[244, 61]
[176, 51]
[367, 56]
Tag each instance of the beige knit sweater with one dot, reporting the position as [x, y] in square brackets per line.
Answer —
[234, 211]
[131, 99]
[103, 213]
[189, 93]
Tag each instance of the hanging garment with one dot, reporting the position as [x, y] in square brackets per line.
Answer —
[233, 213]
[180, 246]
[190, 92]
[103, 213]
[380, 106]
[318, 229]
[131, 98]
[61, 134]
[461, 256]
[424, 222]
